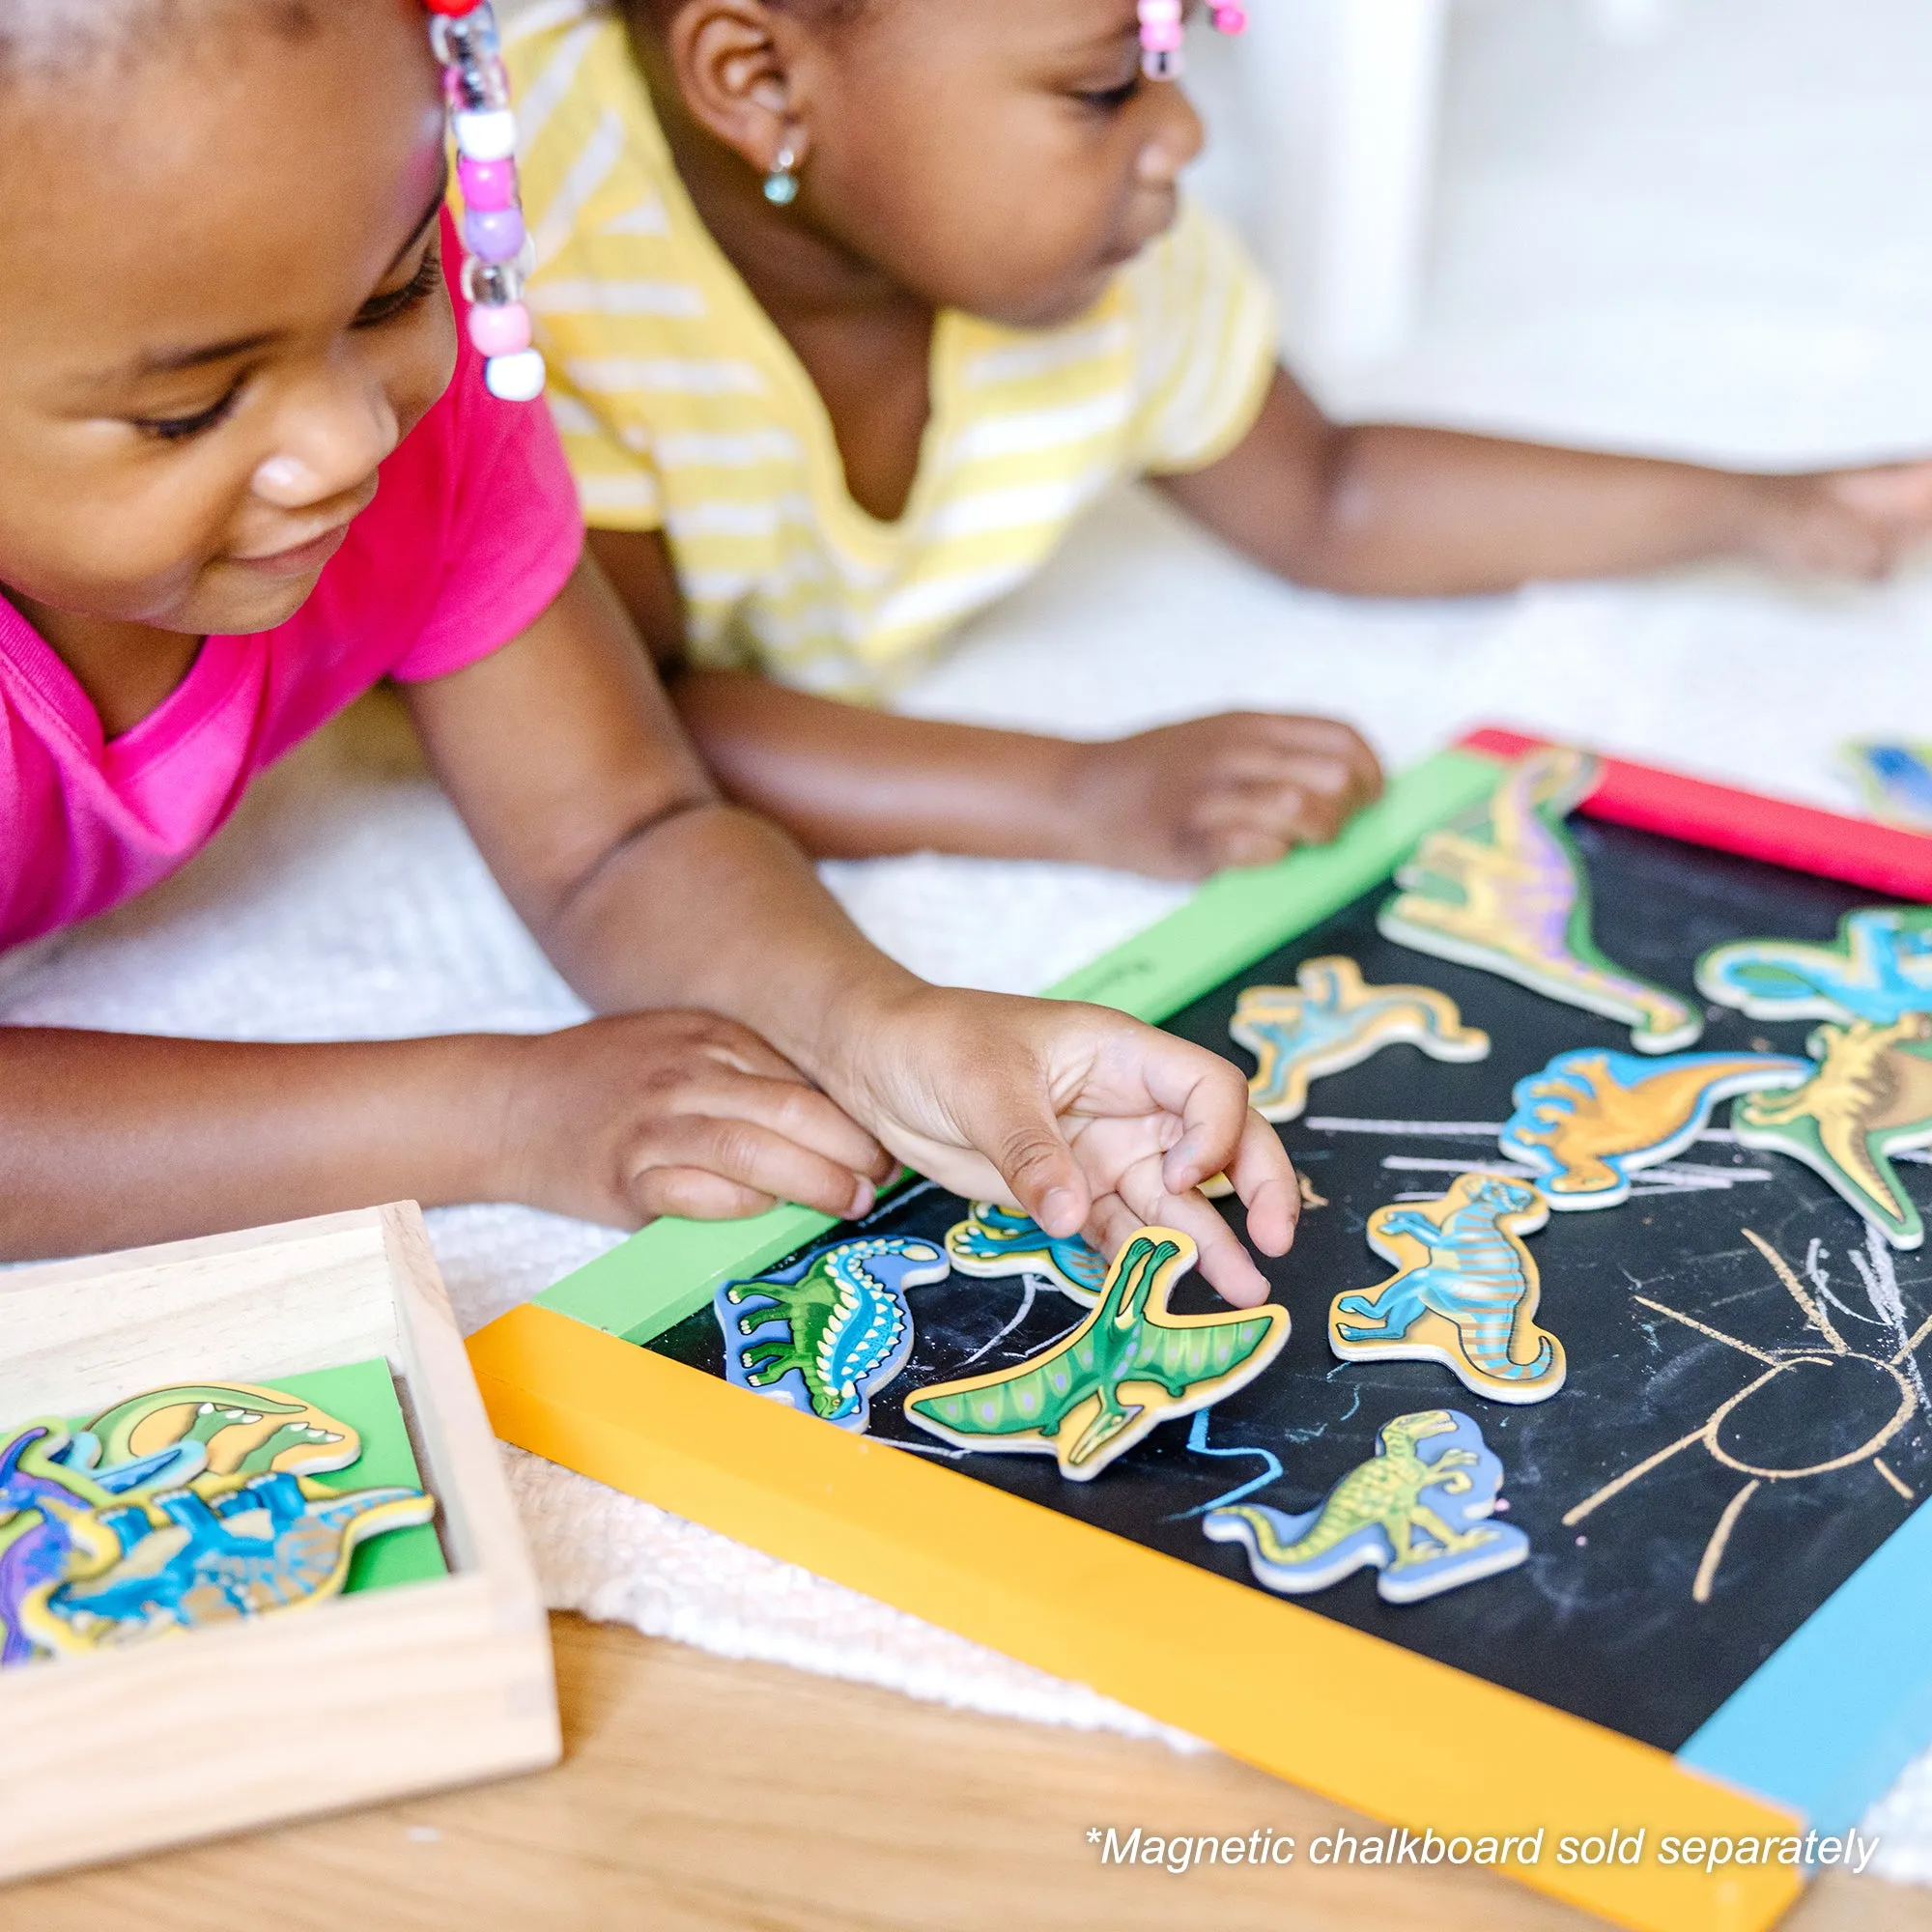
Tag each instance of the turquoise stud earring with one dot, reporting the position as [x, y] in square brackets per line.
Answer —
[782, 183]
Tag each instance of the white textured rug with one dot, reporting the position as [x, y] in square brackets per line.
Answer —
[1577, 296]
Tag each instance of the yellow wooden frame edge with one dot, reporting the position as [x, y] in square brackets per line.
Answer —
[1331, 1713]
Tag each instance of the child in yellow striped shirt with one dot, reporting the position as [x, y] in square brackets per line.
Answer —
[852, 307]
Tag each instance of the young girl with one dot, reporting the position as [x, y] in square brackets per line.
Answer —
[238, 486]
[854, 305]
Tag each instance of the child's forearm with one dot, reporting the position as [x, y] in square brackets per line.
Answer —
[110, 1140]
[852, 783]
[1427, 512]
[1384, 511]
[719, 910]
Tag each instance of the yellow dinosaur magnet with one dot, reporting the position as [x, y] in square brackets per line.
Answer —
[1870, 1096]
[1128, 1366]
[1330, 1020]
[1592, 1119]
[1464, 1295]
[1416, 1511]
[1504, 891]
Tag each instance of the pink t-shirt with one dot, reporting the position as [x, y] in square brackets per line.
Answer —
[473, 533]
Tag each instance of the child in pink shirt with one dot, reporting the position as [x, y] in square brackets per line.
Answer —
[477, 497]
[237, 487]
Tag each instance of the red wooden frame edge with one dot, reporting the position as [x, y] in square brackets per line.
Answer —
[1803, 838]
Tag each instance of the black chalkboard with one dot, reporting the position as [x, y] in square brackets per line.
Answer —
[1602, 1620]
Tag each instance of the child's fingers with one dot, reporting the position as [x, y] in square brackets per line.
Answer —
[1020, 1134]
[1899, 493]
[1257, 819]
[755, 1159]
[799, 1114]
[1205, 1097]
[1264, 1177]
[1224, 1265]
[726, 1043]
[694, 1195]
[1330, 757]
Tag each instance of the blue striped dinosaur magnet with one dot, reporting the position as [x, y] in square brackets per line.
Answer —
[1464, 1293]
[994, 1241]
[1417, 1512]
[1131, 1366]
[1330, 1020]
[267, 1545]
[1593, 1118]
[825, 1334]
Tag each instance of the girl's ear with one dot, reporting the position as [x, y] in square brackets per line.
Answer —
[732, 62]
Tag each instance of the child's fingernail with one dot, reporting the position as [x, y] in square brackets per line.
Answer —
[863, 1198]
[1058, 1210]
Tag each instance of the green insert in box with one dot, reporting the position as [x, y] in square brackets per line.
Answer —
[364, 1395]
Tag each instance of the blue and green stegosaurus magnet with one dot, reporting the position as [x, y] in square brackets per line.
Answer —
[826, 1333]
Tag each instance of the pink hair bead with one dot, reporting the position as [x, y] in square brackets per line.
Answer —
[500, 332]
[486, 183]
[1161, 33]
[497, 244]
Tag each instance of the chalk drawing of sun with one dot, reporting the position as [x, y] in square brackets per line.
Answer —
[1821, 1378]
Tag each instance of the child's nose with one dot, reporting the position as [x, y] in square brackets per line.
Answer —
[1174, 143]
[330, 442]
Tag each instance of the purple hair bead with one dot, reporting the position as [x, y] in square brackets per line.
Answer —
[496, 246]
[492, 234]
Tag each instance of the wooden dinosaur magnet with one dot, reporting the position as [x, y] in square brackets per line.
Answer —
[1417, 1512]
[1131, 1366]
[1330, 1020]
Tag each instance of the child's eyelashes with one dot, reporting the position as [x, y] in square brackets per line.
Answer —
[179, 429]
[1110, 99]
[373, 314]
[413, 293]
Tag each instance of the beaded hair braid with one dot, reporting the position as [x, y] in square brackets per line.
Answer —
[1160, 33]
[498, 252]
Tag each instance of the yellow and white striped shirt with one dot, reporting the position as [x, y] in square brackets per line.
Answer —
[683, 407]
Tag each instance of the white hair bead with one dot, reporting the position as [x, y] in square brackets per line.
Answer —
[515, 379]
[486, 133]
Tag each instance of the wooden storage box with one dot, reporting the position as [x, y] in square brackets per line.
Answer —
[364, 1697]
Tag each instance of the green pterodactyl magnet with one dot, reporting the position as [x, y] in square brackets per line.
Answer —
[1129, 1366]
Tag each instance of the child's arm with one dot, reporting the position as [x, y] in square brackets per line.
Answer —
[1394, 512]
[846, 781]
[110, 1140]
[647, 891]
[565, 760]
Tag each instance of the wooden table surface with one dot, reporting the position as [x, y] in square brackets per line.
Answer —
[701, 1793]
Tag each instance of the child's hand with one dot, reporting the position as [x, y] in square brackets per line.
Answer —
[1241, 789]
[1080, 1117]
[1852, 523]
[622, 1119]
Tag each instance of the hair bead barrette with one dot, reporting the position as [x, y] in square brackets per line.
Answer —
[1160, 34]
[499, 254]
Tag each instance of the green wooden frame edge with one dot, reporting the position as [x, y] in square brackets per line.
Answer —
[671, 1269]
